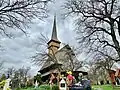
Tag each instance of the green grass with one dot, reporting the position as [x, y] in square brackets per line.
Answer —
[102, 87]
[42, 87]
[105, 87]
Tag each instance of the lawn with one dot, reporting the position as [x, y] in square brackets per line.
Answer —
[43, 87]
[95, 87]
[105, 87]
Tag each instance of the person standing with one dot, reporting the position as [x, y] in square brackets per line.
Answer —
[69, 79]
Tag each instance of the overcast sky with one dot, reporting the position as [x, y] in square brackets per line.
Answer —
[17, 51]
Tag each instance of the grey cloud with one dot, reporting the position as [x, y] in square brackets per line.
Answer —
[19, 50]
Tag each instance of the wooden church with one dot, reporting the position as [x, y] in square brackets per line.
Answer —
[59, 59]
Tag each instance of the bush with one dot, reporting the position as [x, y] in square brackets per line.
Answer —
[3, 77]
[47, 87]
[55, 87]
[18, 88]
[38, 78]
[2, 84]
[29, 84]
[44, 87]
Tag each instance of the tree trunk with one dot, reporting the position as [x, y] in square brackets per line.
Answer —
[115, 41]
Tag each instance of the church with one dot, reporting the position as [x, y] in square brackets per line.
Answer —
[59, 59]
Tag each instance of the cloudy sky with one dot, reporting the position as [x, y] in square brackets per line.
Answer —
[17, 51]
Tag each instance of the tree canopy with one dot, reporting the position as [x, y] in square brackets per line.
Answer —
[97, 25]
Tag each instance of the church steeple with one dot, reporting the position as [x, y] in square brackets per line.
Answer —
[54, 32]
[54, 43]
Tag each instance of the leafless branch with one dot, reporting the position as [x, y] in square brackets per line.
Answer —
[18, 13]
[97, 23]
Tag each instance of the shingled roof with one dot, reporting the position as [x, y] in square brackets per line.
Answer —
[60, 57]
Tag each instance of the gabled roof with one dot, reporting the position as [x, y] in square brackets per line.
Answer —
[47, 63]
[59, 56]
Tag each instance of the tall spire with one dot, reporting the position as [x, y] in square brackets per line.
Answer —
[54, 43]
[54, 32]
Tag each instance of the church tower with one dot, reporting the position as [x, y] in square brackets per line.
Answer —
[54, 43]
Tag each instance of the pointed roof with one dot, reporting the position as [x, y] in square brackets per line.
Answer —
[54, 31]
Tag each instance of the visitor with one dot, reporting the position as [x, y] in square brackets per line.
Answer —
[70, 78]
[53, 79]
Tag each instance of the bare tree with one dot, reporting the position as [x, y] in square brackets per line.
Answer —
[42, 56]
[69, 55]
[18, 13]
[104, 63]
[18, 77]
[97, 23]
[41, 50]
[99, 70]
[1, 65]
[11, 71]
[101, 65]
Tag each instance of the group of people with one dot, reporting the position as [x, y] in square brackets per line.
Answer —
[70, 81]
[69, 78]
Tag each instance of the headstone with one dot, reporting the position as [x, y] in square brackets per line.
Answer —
[62, 85]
